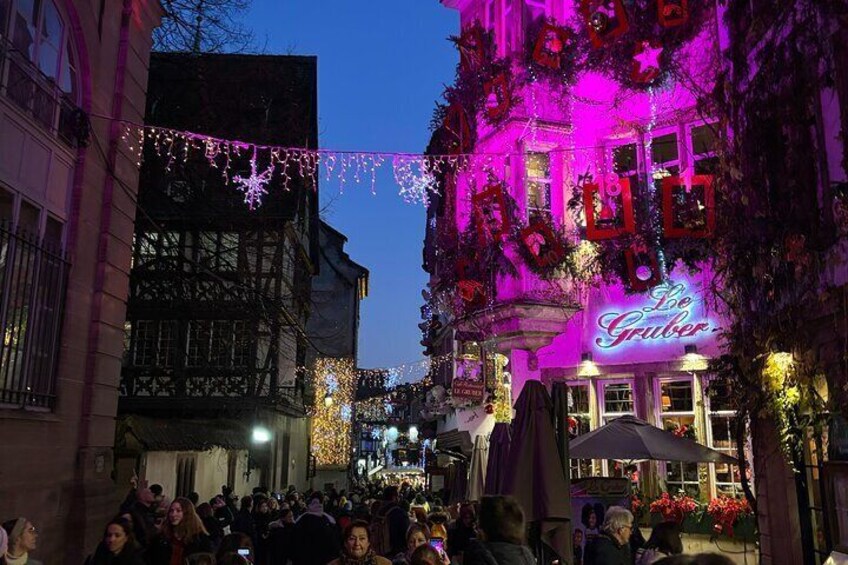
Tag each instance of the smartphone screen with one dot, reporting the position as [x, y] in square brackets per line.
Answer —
[438, 544]
[244, 552]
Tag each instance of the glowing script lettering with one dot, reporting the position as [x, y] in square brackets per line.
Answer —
[667, 316]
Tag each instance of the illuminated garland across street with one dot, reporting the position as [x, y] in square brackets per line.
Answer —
[250, 167]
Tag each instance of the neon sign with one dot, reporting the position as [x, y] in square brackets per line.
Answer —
[667, 316]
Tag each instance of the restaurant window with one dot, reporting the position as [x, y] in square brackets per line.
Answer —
[704, 140]
[677, 415]
[616, 401]
[722, 437]
[579, 424]
[665, 158]
[537, 168]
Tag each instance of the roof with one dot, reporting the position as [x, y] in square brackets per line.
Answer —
[187, 435]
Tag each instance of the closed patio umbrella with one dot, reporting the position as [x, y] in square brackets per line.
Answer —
[477, 472]
[534, 474]
[499, 442]
[630, 439]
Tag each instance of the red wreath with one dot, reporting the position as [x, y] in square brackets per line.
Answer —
[671, 227]
[594, 230]
[542, 243]
[472, 48]
[672, 13]
[493, 220]
[636, 257]
[457, 127]
[551, 43]
[470, 289]
[501, 89]
[612, 12]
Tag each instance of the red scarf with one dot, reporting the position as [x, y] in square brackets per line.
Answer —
[177, 548]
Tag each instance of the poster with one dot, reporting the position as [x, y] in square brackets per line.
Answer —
[590, 498]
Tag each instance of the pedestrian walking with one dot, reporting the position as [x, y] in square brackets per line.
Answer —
[612, 546]
[357, 547]
[182, 536]
[503, 528]
[23, 538]
[118, 546]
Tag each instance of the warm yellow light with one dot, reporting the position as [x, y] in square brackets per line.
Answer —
[335, 386]
[588, 369]
[778, 367]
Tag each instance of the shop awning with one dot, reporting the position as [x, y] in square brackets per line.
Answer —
[156, 434]
[455, 441]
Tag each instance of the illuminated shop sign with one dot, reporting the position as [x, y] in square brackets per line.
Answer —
[668, 314]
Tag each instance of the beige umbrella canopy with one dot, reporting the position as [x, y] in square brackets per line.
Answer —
[477, 473]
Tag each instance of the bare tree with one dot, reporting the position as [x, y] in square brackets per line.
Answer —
[204, 26]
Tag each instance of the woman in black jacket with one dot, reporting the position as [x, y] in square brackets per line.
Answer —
[182, 536]
[118, 546]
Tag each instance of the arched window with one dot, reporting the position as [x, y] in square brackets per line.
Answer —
[41, 71]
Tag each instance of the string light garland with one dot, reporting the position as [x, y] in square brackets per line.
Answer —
[414, 173]
[335, 388]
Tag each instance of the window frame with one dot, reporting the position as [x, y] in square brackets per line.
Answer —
[546, 182]
[660, 415]
[709, 413]
[603, 414]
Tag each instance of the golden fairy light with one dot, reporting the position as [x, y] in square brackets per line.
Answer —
[335, 387]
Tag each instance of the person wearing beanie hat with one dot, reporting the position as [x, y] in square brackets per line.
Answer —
[23, 538]
[316, 536]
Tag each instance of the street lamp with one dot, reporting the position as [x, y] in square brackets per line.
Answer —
[261, 434]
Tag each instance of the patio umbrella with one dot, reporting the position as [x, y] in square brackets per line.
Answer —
[534, 474]
[477, 473]
[499, 442]
[460, 481]
[631, 439]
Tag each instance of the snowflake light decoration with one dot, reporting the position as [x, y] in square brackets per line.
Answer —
[253, 186]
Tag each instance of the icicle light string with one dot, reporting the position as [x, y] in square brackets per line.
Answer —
[414, 173]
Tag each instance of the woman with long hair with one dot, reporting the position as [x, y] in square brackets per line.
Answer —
[182, 535]
[664, 542]
[357, 547]
[118, 546]
[417, 535]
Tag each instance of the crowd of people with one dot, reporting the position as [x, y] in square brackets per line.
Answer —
[370, 525]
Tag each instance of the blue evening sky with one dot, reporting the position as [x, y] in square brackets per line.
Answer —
[382, 64]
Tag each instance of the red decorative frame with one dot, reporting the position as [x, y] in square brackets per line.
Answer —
[542, 56]
[456, 124]
[631, 257]
[668, 186]
[550, 251]
[672, 13]
[588, 7]
[493, 194]
[470, 290]
[502, 90]
[595, 233]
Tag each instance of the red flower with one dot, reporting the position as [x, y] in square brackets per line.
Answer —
[725, 511]
[673, 509]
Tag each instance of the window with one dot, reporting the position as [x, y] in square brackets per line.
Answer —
[7, 207]
[704, 141]
[578, 411]
[197, 345]
[537, 168]
[186, 468]
[722, 437]
[167, 350]
[221, 343]
[42, 72]
[665, 158]
[677, 414]
[616, 400]
[145, 343]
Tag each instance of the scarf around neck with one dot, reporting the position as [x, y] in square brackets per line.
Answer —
[17, 560]
[367, 559]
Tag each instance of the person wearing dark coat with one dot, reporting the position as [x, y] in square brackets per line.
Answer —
[118, 546]
[612, 546]
[182, 536]
[281, 540]
[212, 526]
[243, 522]
[396, 519]
[462, 531]
[502, 535]
[316, 536]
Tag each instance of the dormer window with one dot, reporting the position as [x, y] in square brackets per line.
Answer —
[537, 168]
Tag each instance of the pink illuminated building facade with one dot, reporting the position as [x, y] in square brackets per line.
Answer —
[621, 351]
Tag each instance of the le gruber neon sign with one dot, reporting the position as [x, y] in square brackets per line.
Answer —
[667, 316]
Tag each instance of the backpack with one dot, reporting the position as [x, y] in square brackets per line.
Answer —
[379, 535]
